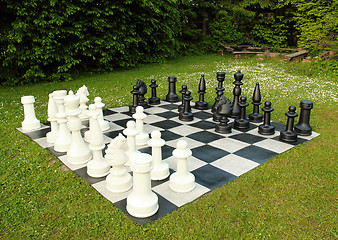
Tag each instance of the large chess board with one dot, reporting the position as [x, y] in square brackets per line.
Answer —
[216, 158]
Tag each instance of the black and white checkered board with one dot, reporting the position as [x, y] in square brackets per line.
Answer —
[216, 158]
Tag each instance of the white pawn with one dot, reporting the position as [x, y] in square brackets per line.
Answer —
[118, 179]
[30, 121]
[142, 202]
[141, 138]
[92, 109]
[78, 152]
[131, 132]
[52, 111]
[97, 167]
[99, 105]
[182, 181]
[64, 138]
[161, 169]
[83, 93]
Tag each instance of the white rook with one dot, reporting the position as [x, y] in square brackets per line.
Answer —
[142, 202]
[30, 121]
[182, 181]
[161, 169]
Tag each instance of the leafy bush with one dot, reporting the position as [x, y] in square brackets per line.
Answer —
[50, 40]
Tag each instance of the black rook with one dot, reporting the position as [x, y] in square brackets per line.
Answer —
[303, 126]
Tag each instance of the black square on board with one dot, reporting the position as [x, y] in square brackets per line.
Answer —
[202, 115]
[247, 138]
[165, 207]
[256, 154]
[204, 125]
[107, 112]
[169, 106]
[208, 153]
[39, 133]
[168, 135]
[212, 177]
[205, 137]
[166, 124]
[168, 114]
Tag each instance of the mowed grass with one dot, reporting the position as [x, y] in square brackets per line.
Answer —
[292, 196]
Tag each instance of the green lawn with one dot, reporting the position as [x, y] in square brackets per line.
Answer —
[292, 196]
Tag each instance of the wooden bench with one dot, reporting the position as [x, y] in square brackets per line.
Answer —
[296, 56]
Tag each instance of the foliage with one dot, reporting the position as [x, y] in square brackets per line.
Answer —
[318, 24]
[49, 40]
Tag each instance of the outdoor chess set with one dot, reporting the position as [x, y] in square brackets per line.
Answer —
[153, 157]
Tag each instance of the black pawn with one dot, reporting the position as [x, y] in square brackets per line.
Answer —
[172, 96]
[186, 114]
[303, 127]
[135, 92]
[154, 100]
[216, 117]
[143, 90]
[289, 135]
[220, 79]
[266, 128]
[183, 91]
[224, 109]
[242, 122]
[237, 92]
[256, 101]
[201, 104]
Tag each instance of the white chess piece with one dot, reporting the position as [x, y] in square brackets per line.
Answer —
[142, 137]
[92, 109]
[99, 105]
[142, 202]
[118, 179]
[161, 169]
[182, 181]
[64, 138]
[54, 126]
[30, 121]
[83, 93]
[97, 167]
[131, 132]
[78, 152]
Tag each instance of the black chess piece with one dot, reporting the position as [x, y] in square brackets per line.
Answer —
[216, 117]
[242, 122]
[143, 90]
[237, 92]
[154, 100]
[303, 127]
[224, 109]
[172, 96]
[220, 79]
[135, 92]
[289, 135]
[201, 104]
[183, 91]
[256, 101]
[186, 114]
[266, 128]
